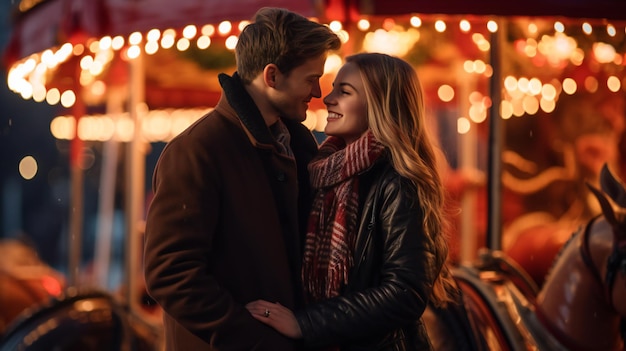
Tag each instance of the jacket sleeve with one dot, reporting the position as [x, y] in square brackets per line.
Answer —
[409, 267]
[180, 231]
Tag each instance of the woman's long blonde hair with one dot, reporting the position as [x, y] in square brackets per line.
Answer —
[396, 117]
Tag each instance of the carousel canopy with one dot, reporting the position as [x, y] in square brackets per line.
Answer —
[41, 24]
[186, 76]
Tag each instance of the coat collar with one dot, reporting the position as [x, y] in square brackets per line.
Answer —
[239, 104]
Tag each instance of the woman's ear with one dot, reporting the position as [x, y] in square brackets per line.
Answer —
[269, 75]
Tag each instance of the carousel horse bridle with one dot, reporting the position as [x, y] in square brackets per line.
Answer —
[617, 259]
[616, 262]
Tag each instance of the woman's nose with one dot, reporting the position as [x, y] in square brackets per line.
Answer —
[328, 99]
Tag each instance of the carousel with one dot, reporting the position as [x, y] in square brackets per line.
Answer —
[528, 103]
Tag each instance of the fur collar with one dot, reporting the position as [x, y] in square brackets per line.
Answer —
[246, 109]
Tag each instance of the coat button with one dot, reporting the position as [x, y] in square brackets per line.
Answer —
[281, 177]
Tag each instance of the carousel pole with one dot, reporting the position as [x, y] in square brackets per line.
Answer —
[106, 203]
[496, 135]
[76, 191]
[467, 151]
[135, 181]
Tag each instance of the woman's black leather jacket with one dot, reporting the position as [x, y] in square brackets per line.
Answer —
[395, 265]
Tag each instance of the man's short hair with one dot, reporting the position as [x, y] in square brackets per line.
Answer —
[281, 37]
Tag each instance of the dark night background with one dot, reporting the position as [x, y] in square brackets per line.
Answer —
[35, 209]
[38, 210]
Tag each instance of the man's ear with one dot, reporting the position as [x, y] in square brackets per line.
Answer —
[269, 75]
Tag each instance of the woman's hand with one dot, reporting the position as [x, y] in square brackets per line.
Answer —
[276, 316]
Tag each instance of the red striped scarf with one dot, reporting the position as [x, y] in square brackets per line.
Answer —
[332, 223]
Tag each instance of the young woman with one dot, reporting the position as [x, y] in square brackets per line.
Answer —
[374, 253]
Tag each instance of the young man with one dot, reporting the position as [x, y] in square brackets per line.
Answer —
[226, 224]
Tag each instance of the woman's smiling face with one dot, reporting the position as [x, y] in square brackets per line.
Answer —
[347, 105]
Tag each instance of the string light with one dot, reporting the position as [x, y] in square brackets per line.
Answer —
[465, 26]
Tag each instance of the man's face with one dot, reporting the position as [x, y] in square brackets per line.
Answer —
[292, 93]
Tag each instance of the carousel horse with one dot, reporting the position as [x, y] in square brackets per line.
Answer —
[25, 281]
[39, 313]
[79, 320]
[581, 305]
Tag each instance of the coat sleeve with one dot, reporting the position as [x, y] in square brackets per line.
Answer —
[409, 267]
[181, 227]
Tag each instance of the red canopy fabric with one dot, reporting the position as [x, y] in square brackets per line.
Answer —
[125, 16]
[592, 9]
[55, 22]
